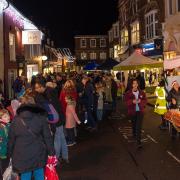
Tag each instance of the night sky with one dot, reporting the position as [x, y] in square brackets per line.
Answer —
[66, 18]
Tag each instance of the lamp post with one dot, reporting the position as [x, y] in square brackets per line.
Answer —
[45, 58]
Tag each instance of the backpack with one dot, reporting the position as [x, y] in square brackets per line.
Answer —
[53, 116]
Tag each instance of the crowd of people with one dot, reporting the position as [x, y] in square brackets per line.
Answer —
[43, 117]
[41, 121]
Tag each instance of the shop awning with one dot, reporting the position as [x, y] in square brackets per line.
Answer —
[108, 64]
[136, 62]
[171, 64]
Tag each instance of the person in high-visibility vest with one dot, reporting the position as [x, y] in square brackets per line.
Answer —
[161, 103]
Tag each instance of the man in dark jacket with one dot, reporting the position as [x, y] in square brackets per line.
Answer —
[49, 95]
[88, 101]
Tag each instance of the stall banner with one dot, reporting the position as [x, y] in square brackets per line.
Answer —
[30, 37]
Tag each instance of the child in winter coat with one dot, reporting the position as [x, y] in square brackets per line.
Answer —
[71, 120]
[4, 129]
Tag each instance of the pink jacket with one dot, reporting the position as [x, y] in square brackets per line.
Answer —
[71, 117]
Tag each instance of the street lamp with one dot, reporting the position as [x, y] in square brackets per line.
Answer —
[44, 58]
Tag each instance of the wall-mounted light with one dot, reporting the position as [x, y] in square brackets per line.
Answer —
[44, 58]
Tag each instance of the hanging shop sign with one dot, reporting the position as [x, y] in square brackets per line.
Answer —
[31, 37]
[153, 49]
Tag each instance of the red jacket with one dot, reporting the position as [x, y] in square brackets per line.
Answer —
[63, 101]
[129, 97]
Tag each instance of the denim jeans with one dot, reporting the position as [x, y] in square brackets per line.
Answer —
[99, 114]
[60, 144]
[38, 175]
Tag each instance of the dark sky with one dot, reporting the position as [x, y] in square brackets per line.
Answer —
[66, 18]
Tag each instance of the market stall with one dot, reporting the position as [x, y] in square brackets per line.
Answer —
[172, 64]
[173, 116]
[108, 64]
[139, 62]
[91, 66]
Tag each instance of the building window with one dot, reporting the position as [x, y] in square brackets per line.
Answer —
[135, 37]
[178, 5]
[93, 43]
[151, 24]
[116, 51]
[170, 7]
[134, 6]
[93, 56]
[83, 43]
[102, 42]
[103, 55]
[124, 37]
[111, 52]
[12, 47]
[84, 55]
[116, 31]
[110, 36]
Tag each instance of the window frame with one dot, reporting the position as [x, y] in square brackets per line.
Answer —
[105, 42]
[150, 24]
[82, 55]
[95, 44]
[178, 5]
[124, 38]
[12, 48]
[85, 40]
[135, 32]
[94, 56]
[103, 55]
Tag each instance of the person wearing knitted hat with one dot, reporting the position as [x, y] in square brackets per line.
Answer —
[174, 101]
[4, 129]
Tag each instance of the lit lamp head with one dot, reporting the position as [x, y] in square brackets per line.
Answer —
[44, 58]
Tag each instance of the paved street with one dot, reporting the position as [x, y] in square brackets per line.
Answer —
[112, 154]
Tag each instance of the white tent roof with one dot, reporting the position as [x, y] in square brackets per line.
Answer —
[138, 61]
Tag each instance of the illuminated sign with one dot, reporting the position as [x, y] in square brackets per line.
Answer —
[148, 47]
[31, 37]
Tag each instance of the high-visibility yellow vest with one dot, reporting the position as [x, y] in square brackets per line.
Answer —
[161, 103]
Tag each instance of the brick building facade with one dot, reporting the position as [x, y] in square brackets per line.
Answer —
[114, 35]
[140, 24]
[13, 49]
[90, 48]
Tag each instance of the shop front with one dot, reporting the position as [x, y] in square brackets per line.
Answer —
[32, 70]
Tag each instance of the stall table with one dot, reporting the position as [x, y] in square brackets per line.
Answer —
[173, 116]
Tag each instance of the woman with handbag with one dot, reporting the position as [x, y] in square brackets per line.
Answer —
[30, 141]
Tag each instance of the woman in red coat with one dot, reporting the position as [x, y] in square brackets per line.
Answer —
[68, 90]
[136, 101]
